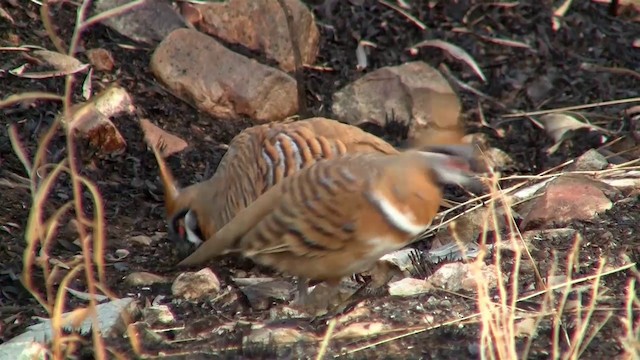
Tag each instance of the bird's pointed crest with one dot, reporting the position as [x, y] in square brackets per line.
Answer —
[171, 190]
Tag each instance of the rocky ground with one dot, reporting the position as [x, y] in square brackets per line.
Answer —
[531, 60]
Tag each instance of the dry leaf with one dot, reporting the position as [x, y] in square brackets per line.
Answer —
[361, 54]
[507, 42]
[558, 13]
[62, 65]
[4, 14]
[101, 59]
[153, 135]
[454, 51]
[557, 125]
[87, 85]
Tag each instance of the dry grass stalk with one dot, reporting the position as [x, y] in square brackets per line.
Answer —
[499, 332]
[41, 230]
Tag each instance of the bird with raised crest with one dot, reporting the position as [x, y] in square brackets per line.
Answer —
[337, 217]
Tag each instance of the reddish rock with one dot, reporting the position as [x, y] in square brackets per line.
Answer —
[261, 25]
[567, 198]
[221, 82]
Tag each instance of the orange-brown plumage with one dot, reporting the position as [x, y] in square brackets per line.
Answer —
[338, 216]
[258, 158]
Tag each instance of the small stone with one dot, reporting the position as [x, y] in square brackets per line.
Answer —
[360, 330]
[143, 332]
[144, 279]
[261, 293]
[196, 285]
[97, 128]
[158, 314]
[101, 59]
[141, 239]
[409, 287]
[457, 276]
[281, 312]
[277, 336]
[591, 160]
[231, 87]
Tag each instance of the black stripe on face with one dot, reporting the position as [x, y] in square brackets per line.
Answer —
[174, 225]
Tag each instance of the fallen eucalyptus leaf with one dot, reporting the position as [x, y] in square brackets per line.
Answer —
[455, 51]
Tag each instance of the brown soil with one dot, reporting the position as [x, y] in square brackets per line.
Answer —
[549, 76]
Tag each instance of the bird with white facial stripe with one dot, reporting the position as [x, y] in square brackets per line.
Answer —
[337, 217]
[257, 158]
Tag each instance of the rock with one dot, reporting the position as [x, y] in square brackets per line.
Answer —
[261, 25]
[229, 87]
[148, 23]
[415, 94]
[569, 197]
[401, 259]
[360, 311]
[101, 59]
[457, 276]
[322, 298]
[97, 128]
[409, 287]
[277, 336]
[141, 239]
[281, 312]
[360, 330]
[153, 135]
[144, 279]
[261, 293]
[91, 119]
[591, 160]
[112, 319]
[24, 350]
[144, 334]
[196, 286]
[158, 314]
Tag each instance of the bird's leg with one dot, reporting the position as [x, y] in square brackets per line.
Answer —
[302, 296]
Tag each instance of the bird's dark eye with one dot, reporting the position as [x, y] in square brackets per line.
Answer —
[176, 226]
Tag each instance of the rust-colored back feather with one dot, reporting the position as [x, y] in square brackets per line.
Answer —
[260, 157]
[335, 217]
